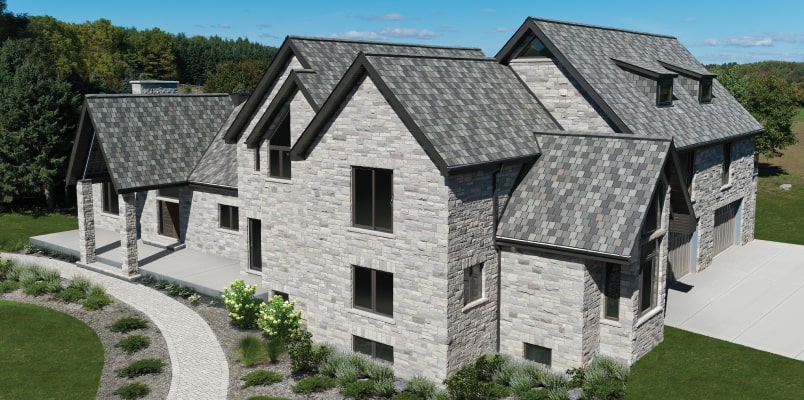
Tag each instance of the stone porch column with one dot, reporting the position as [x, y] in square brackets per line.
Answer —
[86, 221]
[128, 235]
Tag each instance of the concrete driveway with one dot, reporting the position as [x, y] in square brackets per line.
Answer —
[751, 295]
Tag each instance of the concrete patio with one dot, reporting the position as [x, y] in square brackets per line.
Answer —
[752, 295]
[206, 273]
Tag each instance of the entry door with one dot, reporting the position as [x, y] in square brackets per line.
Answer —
[725, 227]
[254, 244]
[679, 254]
[169, 219]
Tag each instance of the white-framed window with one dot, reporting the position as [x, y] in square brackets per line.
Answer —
[472, 283]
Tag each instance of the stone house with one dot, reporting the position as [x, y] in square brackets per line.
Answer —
[426, 205]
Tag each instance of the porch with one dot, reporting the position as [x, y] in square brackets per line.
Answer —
[207, 273]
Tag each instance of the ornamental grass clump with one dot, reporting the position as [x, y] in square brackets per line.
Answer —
[243, 307]
[279, 322]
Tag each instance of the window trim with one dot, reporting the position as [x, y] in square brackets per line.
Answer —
[373, 225]
[373, 308]
[659, 101]
[608, 292]
[108, 193]
[234, 215]
[468, 294]
[374, 344]
[725, 172]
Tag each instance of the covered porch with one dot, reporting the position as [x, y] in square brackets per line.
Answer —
[207, 273]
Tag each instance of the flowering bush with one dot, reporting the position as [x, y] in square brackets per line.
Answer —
[241, 304]
[278, 319]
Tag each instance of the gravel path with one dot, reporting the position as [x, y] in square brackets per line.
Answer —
[199, 368]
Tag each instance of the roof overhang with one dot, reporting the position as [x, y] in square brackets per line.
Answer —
[563, 250]
[276, 109]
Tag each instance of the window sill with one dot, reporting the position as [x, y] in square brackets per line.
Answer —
[168, 199]
[648, 316]
[610, 322]
[228, 231]
[110, 214]
[371, 232]
[725, 187]
[279, 180]
[474, 304]
[375, 316]
[253, 272]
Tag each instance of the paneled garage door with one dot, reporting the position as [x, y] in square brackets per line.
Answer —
[725, 226]
[680, 254]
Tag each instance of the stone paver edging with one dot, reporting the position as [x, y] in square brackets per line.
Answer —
[199, 367]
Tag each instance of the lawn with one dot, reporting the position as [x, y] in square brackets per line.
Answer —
[780, 212]
[691, 366]
[46, 354]
[16, 229]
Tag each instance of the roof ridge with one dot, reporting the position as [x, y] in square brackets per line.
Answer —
[146, 95]
[323, 39]
[428, 57]
[608, 28]
[609, 135]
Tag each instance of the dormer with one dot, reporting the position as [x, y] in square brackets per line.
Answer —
[653, 79]
[696, 79]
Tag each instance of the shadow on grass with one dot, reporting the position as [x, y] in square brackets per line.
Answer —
[767, 170]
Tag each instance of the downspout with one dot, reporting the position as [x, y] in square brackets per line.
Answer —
[495, 208]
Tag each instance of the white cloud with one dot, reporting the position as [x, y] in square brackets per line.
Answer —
[760, 40]
[502, 29]
[388, 33]
[223, 26]
[385, 17]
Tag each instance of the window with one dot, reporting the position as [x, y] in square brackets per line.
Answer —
[109, 199]
[372, 198]
[648, 276]
[689, 159]
[534, 49]
[539, 354]
[228, 217]
[611, 288]
[705, 91]
[664, 94]
[279, 151]
[724, 172]
[283, 295]
[257, 158]
[654, 216]
[373, 349]
[374, 291]
[472, 283]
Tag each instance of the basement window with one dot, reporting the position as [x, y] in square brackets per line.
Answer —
[705, 91]
[664, 92]
[539, 354]
[373, 349]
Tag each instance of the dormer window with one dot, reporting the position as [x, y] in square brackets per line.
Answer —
[705, 91]
[534, 49]
[664, 92]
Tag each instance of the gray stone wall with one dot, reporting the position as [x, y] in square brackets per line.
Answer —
[709, 194]
[203, 231]
[560, 95]
[592, 309]
[86, 221]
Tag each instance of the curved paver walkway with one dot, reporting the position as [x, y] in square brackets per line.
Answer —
[199, 367]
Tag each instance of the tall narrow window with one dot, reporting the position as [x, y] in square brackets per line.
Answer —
[705, 91]
[724, 172]
[372, 198]
[257, 158]
[373, 349]
[279, 151]
[472, 283]
[374, 291]
[109, 199]
[228, 217]
[664, 92]
[653, 217]
[690, 170]
[612, 290]
[648, 276]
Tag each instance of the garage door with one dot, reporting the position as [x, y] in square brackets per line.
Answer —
[680, 254]
[725, 226]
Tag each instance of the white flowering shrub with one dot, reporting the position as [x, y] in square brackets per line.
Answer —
[241, 304]
[278, 319]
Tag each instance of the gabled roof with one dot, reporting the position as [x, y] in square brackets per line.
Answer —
[149, 141]
[464, 112]
[587, 193]
[589, 54]
[329, 59]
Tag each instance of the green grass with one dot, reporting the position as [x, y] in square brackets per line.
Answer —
[16, 229]
[691, 366]
[45, 354]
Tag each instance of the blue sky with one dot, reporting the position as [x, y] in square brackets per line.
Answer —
[714, 31]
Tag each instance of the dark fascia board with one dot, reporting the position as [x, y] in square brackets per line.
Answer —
[643, 71]
[80, 145]
[288, 89]
[283, 55]
[722, 140]
[562, 250]
[689, 74]
[202, 185]
[491, 165]
[530, 27]
[677, 164]
[361, 67]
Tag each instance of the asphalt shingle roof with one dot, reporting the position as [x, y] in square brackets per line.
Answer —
[154, 140]
[590, 50]
[218, 165]
[472, 111]
[586, 191]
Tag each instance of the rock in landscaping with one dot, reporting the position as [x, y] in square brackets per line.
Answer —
[785, 186]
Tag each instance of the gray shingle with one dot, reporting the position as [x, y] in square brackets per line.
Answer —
[218, 165]
[587, 192]
[152, 140]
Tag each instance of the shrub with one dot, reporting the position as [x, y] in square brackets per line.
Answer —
[241, 304]
[128, 324]
[346, 373]
[261, 378]
[575, 377]
[466, 384]
[406, 396]
[148, 279]
[135, 390]
[9, 286]
[96, 302]
[161, 283]
[605, 379]
[422, 387]
[266, 398]
[27, 276]
[37, 288]
[304, 355]
[194, 298]
[13, 274]
[521, 381]
[314, 384]
[332, 363]
[384, 388]
[81, 283]
[275, 348]
[172, 288]
[71, 295]
[5, 267]
[141, 367]
[359, 389]
[378, 372]
[487, 365]
[134, 343]
[186, 291]
[535, 394]
[251, 350]
[278, 320]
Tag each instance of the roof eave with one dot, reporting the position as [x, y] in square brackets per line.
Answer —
[720, 140]
[564, 250]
